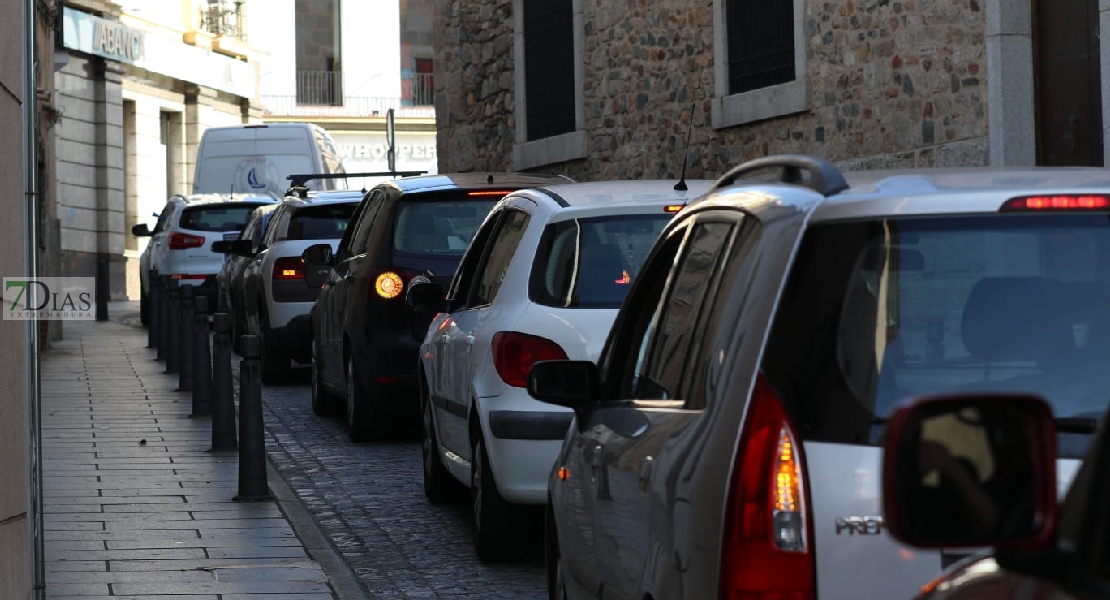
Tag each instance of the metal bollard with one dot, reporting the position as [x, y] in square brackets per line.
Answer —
[162, 291]
[151, 310]
[252, 454]
[185, 339]
[202, 360]
[223, 401]
[173, 327]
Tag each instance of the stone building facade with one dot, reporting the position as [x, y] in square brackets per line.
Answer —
[877, 83]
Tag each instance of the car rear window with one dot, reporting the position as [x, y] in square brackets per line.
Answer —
[326, 222]
[438, 227]
[216, 217]
[590, 262]
[878, 311]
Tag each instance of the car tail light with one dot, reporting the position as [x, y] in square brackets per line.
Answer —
[180, 276]
[498, 193]
[289, 268]
[766, 551]
[390, 283]
[514, 353]
[1057, 202]
[181, 241]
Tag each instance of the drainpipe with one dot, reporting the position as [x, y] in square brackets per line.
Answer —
[30, 220]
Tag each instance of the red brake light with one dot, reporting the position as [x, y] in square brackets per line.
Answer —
[1058, 202]
[181, 241]
[765, 552]
[488, 192]
[289, 268]
[672, 208]
[390, 283]
[514, 353]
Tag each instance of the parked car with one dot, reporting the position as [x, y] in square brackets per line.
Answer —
[276, 301]
[229, 281]
[543, 278]
[180, 243]
[364, 338]
[727, 441]
[968, 471]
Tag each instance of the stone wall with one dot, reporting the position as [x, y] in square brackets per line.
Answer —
[891, 83]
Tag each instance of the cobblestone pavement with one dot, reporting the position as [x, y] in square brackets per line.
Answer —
[369, 499]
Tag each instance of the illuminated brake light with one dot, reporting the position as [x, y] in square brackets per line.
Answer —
[625, 279]
[1058, 202]
[488, 193]
[389, 285]
[289, 268]
[672, 208]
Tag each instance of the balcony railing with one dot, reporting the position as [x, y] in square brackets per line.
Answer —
[418, 89]
[320, 88]
[224, 18]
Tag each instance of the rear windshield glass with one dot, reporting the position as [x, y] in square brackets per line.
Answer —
[438, 227]
[878, 311]
[216, 217]
[589, 263]
[320, 222]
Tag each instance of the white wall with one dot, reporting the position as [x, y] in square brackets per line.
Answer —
[371, 46]
[271, 28]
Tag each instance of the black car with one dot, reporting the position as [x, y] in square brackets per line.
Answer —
[365, 339]
[229, 281]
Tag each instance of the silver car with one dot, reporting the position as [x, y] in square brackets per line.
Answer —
[727, 441]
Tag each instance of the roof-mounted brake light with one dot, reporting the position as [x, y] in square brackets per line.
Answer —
[1058, 202]
[672, 208]
[488, 192]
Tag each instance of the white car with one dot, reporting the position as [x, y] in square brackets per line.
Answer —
[542, 279]
[181, 243]
[276, 301]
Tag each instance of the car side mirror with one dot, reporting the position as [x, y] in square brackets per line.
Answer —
[317, 264]
[970, 471]
[222, 246]
[571, 383]
[243, 248]
[425, 296]
[141, 230]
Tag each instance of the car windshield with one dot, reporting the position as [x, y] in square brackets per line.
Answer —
[877, 311]
[216, 217]
[438, 227]
[590, 262]
[327, 222]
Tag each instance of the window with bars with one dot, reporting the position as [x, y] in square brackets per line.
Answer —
[760, 43]
[548, 67]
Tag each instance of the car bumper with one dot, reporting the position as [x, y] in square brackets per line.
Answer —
[295, 337]
[523, 438]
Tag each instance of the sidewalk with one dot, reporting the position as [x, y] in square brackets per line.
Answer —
[137, 508]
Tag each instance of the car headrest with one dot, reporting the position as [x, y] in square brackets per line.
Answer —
[1016, 318]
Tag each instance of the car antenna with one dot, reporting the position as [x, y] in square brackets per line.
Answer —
[681, 185]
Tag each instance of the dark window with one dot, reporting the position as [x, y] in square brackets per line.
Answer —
[438, 227]
[876, 311]
[163, 218]
[496, 261]
[760, 43]
[590, 263]
[468, 266]
[327, 222]
[356, 238]
[548, 67]
[216, 217]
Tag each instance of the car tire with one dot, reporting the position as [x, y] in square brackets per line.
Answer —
[440, 487]
[494, 519]
[362, 424]
[323, 401]
[144, 316]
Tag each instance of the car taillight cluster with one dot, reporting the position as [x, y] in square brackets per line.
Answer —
[514, 353]
[291, 267]
[181, 241]
[766, 551]
[390, 283]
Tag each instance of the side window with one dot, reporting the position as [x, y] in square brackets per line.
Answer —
[279, 222]
[360, 232]
[624, 348]
[498, 256]
[164, 218]
[249, 228]
[664, 350]
[468, 267]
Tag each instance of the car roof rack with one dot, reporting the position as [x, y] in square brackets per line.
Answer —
[824, 177]
[297, 182]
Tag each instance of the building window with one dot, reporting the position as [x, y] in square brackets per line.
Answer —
[319, 66]
[759, 55]
[548, 55]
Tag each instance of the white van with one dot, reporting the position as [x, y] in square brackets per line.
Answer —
[256, 159]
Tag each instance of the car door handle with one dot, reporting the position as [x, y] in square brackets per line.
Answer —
[645, 473]
[469, 340]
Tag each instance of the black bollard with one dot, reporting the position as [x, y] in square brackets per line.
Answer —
[202, 360]
[185, 339]
[252, 454]
[173, 327]
[223, 400]
[162, 291]
[151, 310]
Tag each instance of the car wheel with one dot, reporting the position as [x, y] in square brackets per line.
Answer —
[361, 423]
[323, 401]
[494, 518]
[144, 318]
[273, 362]
[440, 487]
